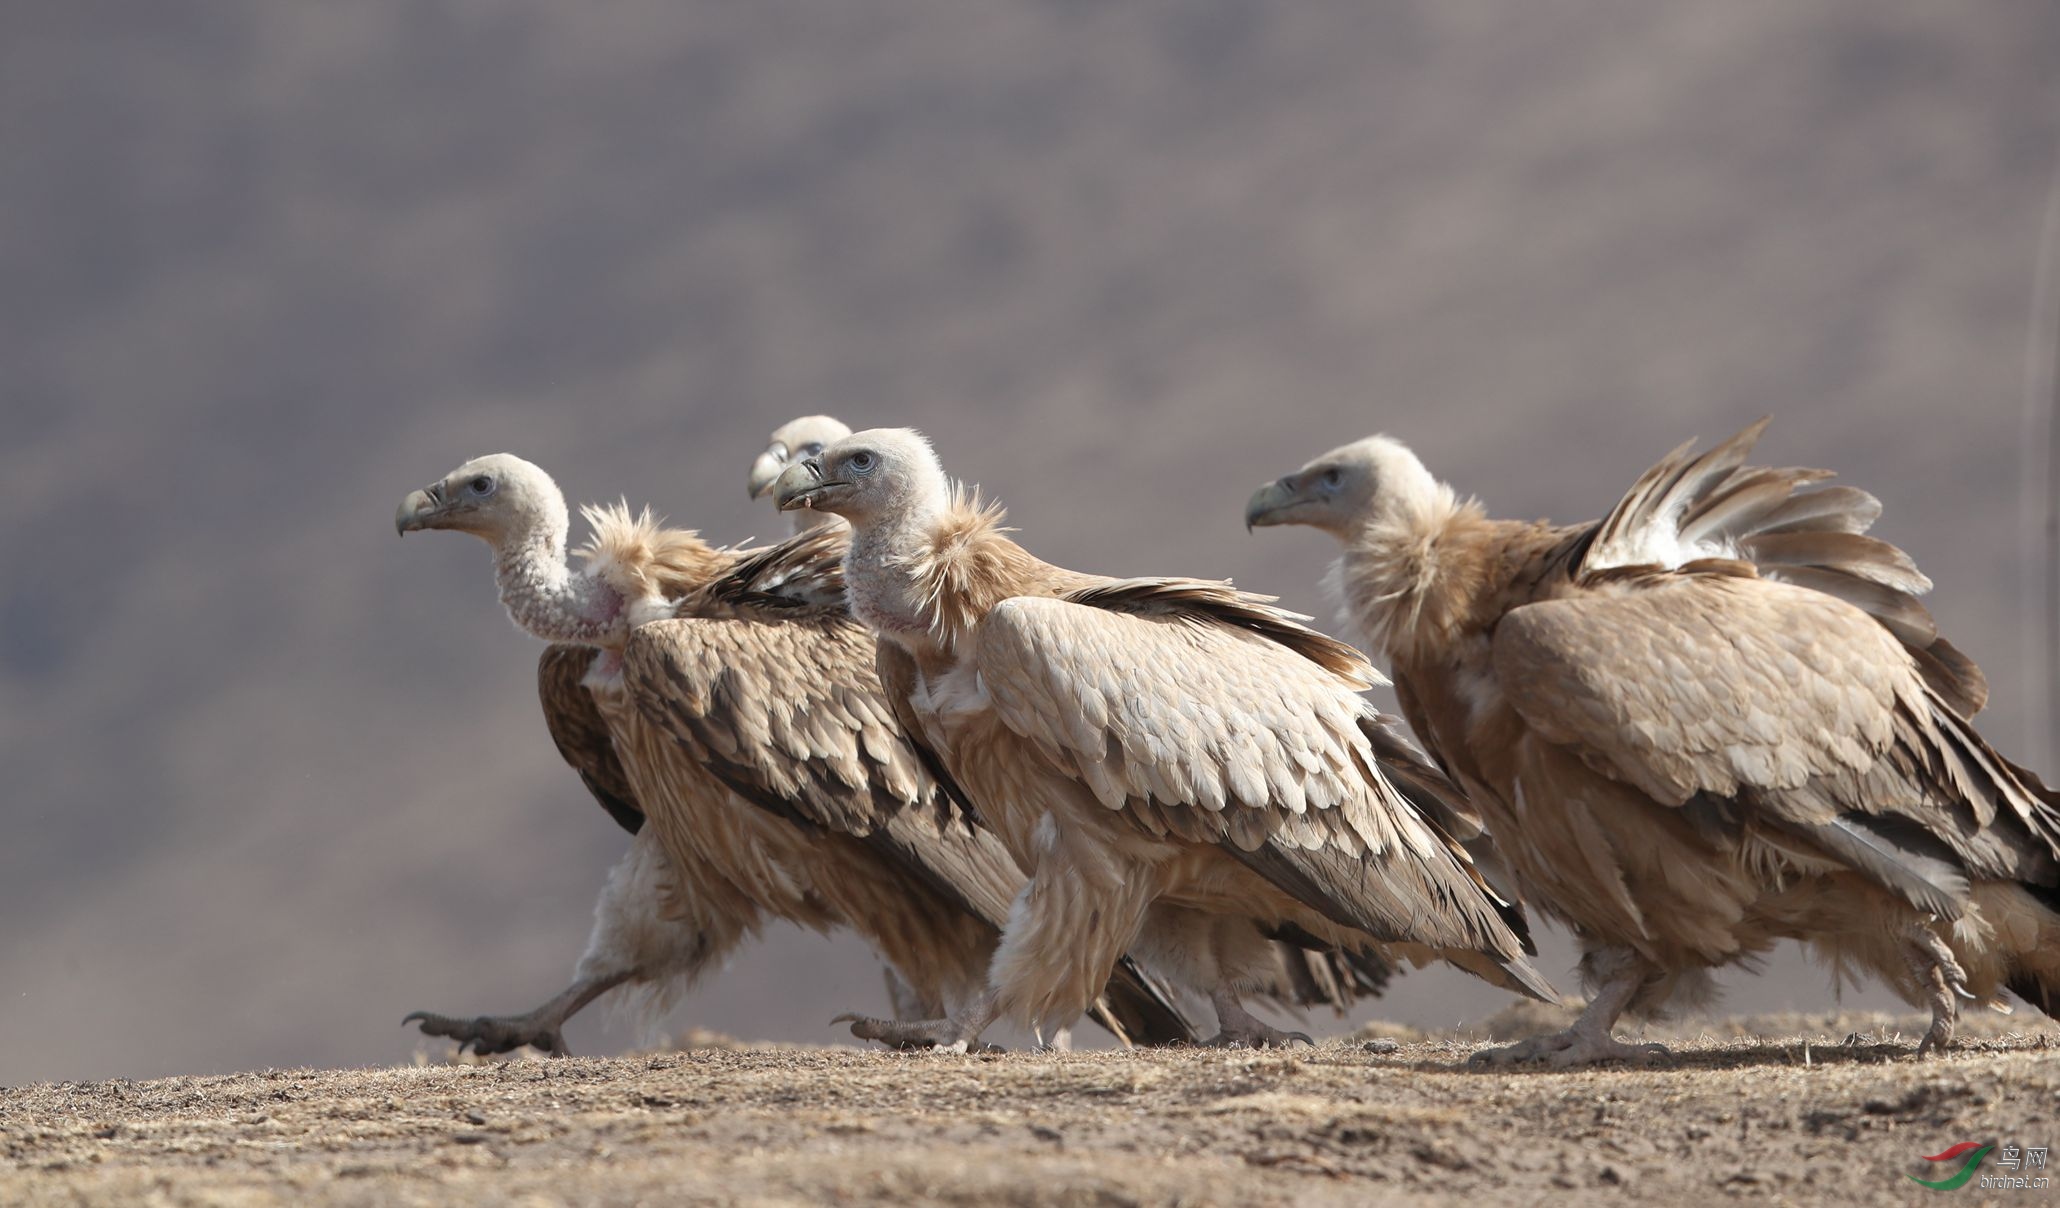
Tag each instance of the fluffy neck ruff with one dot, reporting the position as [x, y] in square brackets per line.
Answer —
[1410, 577]
[633, 568]
[647, 565]
[930, 576]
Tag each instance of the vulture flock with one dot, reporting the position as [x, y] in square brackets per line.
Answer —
[1716, 718]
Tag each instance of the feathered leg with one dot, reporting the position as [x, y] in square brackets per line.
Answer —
[645, 937]
[1620, 975]
[1068, 927]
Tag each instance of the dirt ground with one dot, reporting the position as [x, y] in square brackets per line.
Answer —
[1796, 1109]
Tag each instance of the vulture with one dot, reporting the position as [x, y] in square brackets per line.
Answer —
[637, 942]
[1305, 973]
[798, 438]
[1714, 719]
[1182, 769]
[724, 698]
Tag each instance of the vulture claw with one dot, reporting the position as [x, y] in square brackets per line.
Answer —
[488, 1035]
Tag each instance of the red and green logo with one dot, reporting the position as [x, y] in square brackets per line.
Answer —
[1975, 1152]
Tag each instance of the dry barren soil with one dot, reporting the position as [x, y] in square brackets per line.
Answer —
[1775, 1110]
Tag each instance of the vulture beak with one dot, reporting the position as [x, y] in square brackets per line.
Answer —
[766, 470]
[801, 485]
[1269, 502]
[417, 511]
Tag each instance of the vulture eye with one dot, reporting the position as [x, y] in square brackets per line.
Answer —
[812, 448]
[862, 462]
[482, 485]
[1333, 478]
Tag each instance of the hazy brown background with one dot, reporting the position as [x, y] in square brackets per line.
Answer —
[272, 778]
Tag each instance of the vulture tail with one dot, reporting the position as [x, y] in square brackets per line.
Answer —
[1137, 1008]
[1457, 918]
[1313, 974]
[1793, 530]
[2035, 965]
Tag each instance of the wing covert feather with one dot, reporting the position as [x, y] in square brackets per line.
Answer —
[1689, 684]
[788, 713]
[1217, 734]
[581, 733]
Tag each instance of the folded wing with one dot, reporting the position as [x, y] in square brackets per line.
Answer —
[581, 733]
[1204, 714]
[1750, 702]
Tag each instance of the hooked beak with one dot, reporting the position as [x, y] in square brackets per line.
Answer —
[766, 470]
[1268, 504]
[801, 485]
[417, 511]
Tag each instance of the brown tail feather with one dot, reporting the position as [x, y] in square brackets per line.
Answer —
[1854, 554]
[1839, 509]
[1908, 620]
[1954, 676]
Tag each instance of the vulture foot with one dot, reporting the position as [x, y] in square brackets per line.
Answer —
[1938, 1037]
[1944, 982]
[539, 1029]
[1238, 1028]
[491, 1034]
[946, 1034]
[1572, 1047]
[1258, 1037]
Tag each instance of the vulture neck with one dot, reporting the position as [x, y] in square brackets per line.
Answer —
[1411, 576]
[546, 600]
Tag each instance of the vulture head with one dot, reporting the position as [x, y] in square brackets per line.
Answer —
[881, 474]
[1347, 489]
[499, 498]
[795, 440]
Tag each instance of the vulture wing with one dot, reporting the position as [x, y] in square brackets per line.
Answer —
[1311, 973]
[582, 734]
[1736, 698]
[776, 694]
[1207, 715]
[775, 691]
